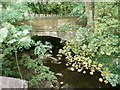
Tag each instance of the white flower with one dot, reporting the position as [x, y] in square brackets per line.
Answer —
[84, 47]
[8, 8]
[1, 40]
[61, 82]
[15, 35]
[25, 40]
[11, 41]
[3, 34]
[25, 32]
[19, 33]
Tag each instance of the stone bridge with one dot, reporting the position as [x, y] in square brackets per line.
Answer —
[46, 26]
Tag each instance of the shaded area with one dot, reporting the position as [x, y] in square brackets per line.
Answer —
[69, 78]
[75, 79]
[55, 42]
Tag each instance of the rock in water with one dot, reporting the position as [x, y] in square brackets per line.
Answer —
[8, 82]
[59, 74]
[51, 59]
[65, 86]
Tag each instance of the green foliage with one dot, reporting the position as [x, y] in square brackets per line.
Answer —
[78, 9]
[107, 19]
[18, 12]
[9, 67]
[94, 50]
[14, 37]
[109, 63]
[113, 79]
[90, 49]
[97, 49]
[41, 72]
[3, 34]
[42, 50]
[54, 8]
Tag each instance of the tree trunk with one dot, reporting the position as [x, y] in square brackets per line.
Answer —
[89, 13]
[95, 13]
[95, 10]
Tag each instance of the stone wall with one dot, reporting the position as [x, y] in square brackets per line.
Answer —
[46, 26]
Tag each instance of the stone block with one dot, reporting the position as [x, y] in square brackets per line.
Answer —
[8, 82]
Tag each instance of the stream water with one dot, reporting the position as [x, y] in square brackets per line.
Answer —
[72, 79]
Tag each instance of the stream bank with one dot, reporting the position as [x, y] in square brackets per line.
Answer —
[65, 77]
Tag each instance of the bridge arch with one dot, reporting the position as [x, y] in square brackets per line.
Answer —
[61, 35]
